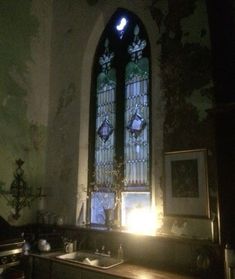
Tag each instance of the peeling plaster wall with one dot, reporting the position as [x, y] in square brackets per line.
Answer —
[24, 91]
[47, 49]
[186, 72]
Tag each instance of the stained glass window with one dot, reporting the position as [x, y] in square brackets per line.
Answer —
[121, 136]
[137, 117]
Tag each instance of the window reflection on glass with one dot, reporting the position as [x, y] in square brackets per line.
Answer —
[133, 200]
[121, 25]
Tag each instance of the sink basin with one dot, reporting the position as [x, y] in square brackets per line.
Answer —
[91, 259]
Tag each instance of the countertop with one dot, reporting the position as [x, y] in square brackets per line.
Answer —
[126, 270]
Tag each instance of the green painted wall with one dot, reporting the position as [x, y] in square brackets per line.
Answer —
[20, 137]
[188, 89]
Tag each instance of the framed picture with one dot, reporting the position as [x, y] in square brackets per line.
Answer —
[186, 187]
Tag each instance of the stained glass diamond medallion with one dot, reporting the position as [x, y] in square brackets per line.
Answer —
[105, 130]
[136, 125]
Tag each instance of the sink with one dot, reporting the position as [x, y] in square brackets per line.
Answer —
[91, 259]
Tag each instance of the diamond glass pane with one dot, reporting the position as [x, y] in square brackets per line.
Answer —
[105, 130]
[136, 125]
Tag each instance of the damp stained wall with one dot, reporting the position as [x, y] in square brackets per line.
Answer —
[24, 91]
[186, 74]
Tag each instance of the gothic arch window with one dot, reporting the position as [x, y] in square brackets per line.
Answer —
[119, 138]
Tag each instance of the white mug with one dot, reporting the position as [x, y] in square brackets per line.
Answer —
[69, 247]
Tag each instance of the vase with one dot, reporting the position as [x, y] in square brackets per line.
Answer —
[109, 217]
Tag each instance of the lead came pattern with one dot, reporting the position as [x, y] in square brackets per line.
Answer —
[104, 146]
[136, 168]
[105, 120]
[136, 147]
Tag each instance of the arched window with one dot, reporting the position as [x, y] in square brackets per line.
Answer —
[119, 142]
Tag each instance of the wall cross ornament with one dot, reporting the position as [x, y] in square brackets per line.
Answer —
[20, 195]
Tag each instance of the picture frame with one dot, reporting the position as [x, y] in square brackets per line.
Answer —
[186, 184]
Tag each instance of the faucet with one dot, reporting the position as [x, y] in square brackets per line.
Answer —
[120, 252]
[102, 252]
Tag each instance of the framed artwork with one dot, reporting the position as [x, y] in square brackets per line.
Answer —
[186, 187]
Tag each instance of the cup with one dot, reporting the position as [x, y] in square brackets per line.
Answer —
[69, 247]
